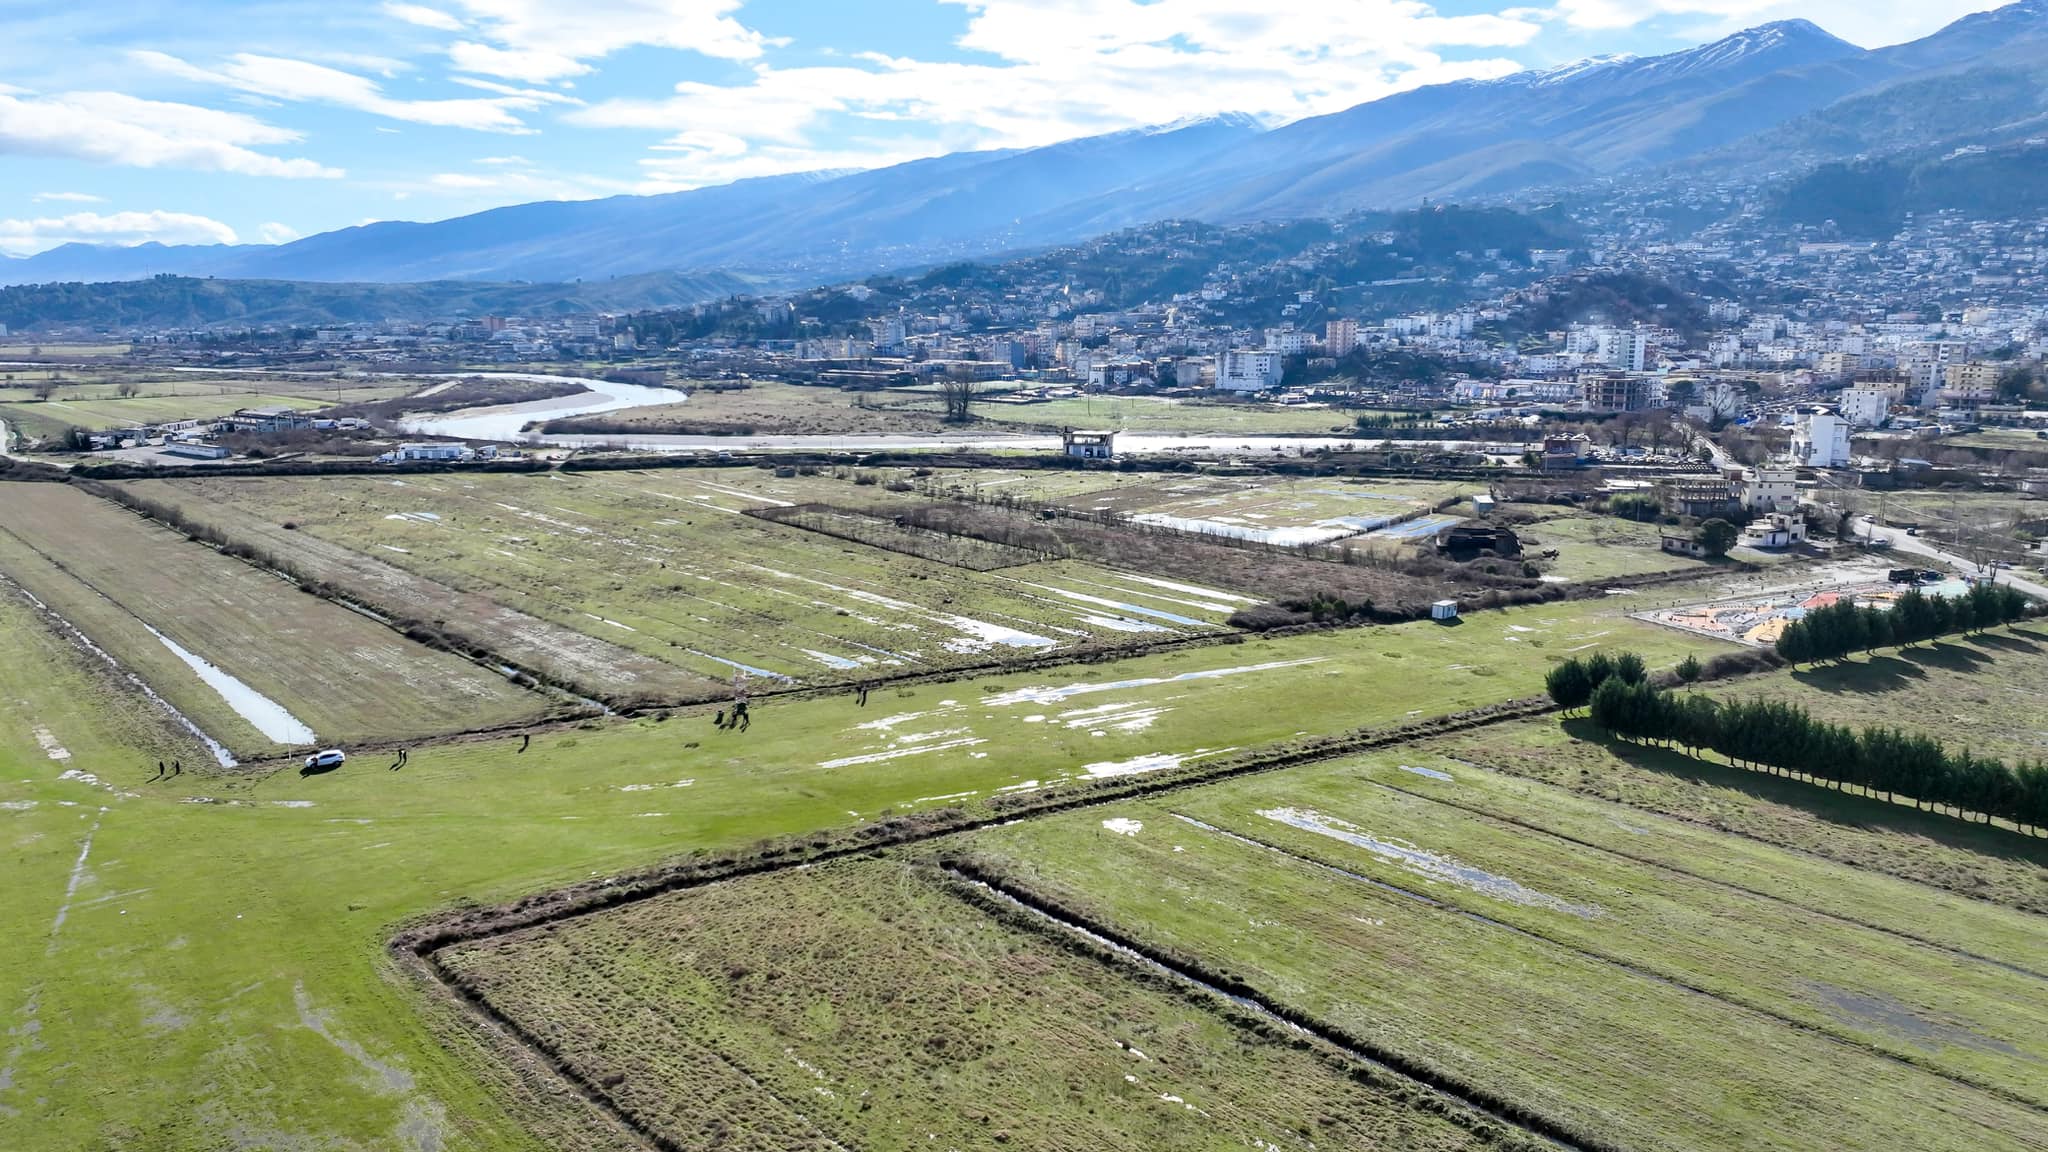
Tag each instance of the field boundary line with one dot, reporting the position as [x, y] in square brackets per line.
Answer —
[1807, 852]
[1736, 1003]
[1234, 990]
[1517, 822]
[414, 948]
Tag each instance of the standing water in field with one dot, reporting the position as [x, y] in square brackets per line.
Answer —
[264, 714]
[1428, 865]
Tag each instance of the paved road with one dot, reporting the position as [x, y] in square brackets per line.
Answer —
[1914, 545]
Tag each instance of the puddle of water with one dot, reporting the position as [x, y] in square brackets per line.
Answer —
[1104, 602]
[1124, 826]
[831, 661]
[1432, 773]
[1188, 589]
[1049, 695]
[1428, 865]
[1879, 1013]
[1115, 625]
[747, 668]
[264, 714]
[899, 753]
[1149, 762]
[220, 753]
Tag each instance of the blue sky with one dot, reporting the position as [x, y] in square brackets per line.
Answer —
[261, 120]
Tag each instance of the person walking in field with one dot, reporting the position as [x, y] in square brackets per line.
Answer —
[525, 738]
[159, 771]
[177, 767]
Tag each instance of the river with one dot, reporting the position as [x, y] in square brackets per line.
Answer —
[505, 423]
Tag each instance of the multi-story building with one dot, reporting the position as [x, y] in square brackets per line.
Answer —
[1626, 350]
[1770, 487]
[1613, 392]
[1248, 370]
[1822, 441]
[1289, 341]
[1340, 338]
[1866, 407]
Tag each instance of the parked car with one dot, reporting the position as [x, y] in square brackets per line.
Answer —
[331, 758]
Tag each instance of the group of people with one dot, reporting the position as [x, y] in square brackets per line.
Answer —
[177, 769]
[739, 720]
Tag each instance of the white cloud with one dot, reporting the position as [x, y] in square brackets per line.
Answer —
[1065, 68]
[25, 237]
[275, 233]
[70, 197]
[110, 128]
[1871, 23]
[424, 17]
[542, 41]
[278, 78]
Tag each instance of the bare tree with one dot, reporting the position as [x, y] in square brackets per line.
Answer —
[957, 393]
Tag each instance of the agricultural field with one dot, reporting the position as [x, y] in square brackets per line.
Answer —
[256, 664]
[1987, 863]
[55, 418]
[558, 655]
[1630, 1003]
[1480, 934]
[1597, 547]
[875, 1004]
[664, 563]
[1266, 508]
[92, 397]
[218, 960]
[1983, 691]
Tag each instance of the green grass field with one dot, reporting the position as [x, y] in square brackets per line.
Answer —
[1561, 976]
[1596, 547]
[866, 1004]
[204, 936]
[116, 576]
[56, 417]
[1646, 950]
[665, 564]
[1987, 863]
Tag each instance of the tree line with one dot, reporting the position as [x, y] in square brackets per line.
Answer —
[1835, 631]
[1784, 738]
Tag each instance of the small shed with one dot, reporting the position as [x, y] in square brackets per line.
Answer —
[1483, 504]
[1444, 610]
[1088, 445]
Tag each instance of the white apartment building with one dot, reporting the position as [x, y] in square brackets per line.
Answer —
[1770, 488]
[1248, 370]
[1628, 351]
[1866, 407]
[1289, 341]
[1822, 441]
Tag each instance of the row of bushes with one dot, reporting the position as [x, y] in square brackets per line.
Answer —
[1841, 628]
[1784, 737]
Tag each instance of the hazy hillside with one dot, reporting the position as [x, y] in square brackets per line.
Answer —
[1870, 199]
[181, 301]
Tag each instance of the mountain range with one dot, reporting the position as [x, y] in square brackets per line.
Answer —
[1781, 97]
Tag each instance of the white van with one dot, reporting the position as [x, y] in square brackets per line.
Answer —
[331, 758]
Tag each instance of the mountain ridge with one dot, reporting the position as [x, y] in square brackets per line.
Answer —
[1543, 127]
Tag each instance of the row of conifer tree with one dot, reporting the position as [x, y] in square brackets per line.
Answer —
[1784, 738]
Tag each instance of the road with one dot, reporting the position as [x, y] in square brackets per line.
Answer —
[1915, 546]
